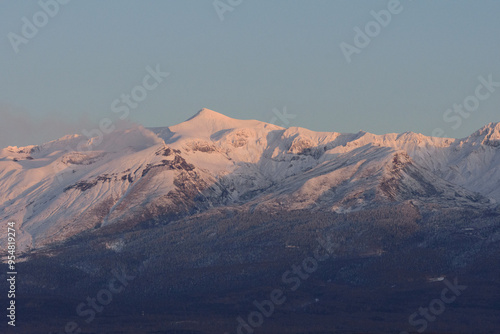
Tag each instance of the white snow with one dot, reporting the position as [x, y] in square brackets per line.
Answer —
[296, 167]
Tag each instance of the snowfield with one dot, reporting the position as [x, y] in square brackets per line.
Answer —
[54, 191]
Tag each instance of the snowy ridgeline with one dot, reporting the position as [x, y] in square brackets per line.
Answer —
[74, 183]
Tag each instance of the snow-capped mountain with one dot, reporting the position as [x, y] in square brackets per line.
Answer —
[74, 184]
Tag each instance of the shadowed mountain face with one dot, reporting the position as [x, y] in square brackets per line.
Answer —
[209, 215]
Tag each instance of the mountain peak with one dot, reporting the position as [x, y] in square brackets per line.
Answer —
[494, 126]
[489, 132]
[205, 123]
[209, 114]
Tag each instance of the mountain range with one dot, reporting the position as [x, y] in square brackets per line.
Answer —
[147, 175]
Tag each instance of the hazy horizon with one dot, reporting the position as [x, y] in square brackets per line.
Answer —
[54, 123]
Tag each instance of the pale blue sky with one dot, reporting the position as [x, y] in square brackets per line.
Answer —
[265, 54]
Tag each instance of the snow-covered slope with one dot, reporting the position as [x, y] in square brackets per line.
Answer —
[140, 175]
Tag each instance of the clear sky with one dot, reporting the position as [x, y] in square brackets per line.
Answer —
[264, 55]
